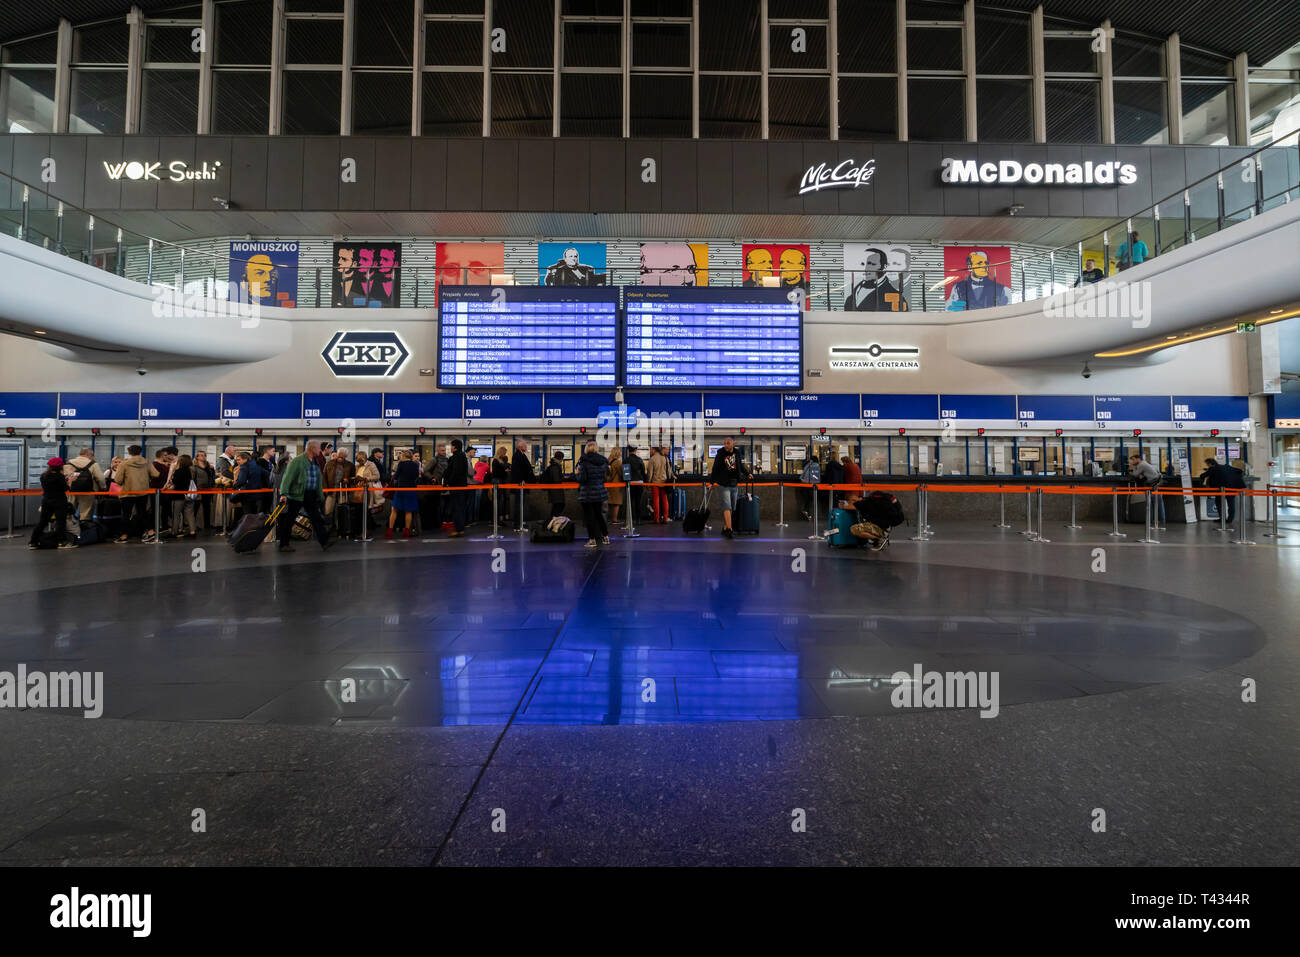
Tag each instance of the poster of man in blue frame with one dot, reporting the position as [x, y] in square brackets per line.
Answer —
[264, 272]
[571, 264]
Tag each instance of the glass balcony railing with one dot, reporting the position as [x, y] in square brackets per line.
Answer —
[1263, 179]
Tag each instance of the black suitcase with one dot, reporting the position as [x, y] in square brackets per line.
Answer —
[347, 518]
[540, 534]
[253, 529]
[93, 532]
[695, 519]
[745, 521]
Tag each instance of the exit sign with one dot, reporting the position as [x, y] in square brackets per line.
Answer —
[1245, 327]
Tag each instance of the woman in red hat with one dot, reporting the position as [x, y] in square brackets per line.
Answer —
[54, 505]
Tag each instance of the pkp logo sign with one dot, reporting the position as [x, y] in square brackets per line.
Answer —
[369, 354]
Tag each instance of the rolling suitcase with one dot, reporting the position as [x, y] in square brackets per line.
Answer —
[746, 519]
[695, 519]
[841, 529]
[676, 503]
[253, 529]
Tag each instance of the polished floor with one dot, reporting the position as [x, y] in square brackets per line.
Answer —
[378, 703]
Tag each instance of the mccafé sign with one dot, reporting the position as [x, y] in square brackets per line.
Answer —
[178, 171]
[1009, 172]
[844, 176]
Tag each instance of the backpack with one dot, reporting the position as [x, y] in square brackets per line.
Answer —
[82, 480]
[812, 473]
[883, 509]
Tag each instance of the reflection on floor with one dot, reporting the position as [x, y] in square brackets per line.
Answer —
[659, 633]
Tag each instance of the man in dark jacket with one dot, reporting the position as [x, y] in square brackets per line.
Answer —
[457, 476]
[555, 476]
[727, 470]
[521, 473]
[1225, 477]
[833, 474]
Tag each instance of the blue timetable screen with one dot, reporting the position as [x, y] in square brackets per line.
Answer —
[518, 337]
[700, 337]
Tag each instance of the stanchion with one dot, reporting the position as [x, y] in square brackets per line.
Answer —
[1040, 537]
[1002, 511]
[816, 536]
[157, 517]
[523, 527]
[1029, 532]
[1223, 511]
[365, 516]
[922, 514]
[496, 535]
[1272, 508]
[1149, 538]
[1241, 520]
[1074, 515]
[780, 491]
[1114, 513]
[631, 531]
[11, 535]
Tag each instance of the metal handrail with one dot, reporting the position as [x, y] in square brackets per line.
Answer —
[820, 282]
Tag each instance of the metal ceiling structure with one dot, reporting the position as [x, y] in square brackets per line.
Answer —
[1262, 30]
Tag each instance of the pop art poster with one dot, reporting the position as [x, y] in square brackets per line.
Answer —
[469, 264]
[264, 272]
[787, 262]
[674, 264]
[977, 277]
[874, 277]
[367, 275]
[571, 264]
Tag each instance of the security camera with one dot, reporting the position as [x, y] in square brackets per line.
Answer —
[142, 370]
[1087, 373]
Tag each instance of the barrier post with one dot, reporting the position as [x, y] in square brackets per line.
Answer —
[630, 529]
[1074, 515]
[1029, 532]
[520, 529]
[365, 515]
[1002, 511]
[780, 491]
[1040, 537]
[1272, 507]
[496, 535]
[157, 517]
[816, 536]
[1114, 512]
[1223, 511]
[1149, 538]
[1241, 520]
[11, 517]
[922, 529]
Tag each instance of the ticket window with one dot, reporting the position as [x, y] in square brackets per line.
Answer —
[767, 456]
[1054, 459]
[570, 445]
[875, 455]
[1000, 460]
[952, 455]
[75, 442]
[923, 455]
[1029, 459]
[976, 455]
[794, 458]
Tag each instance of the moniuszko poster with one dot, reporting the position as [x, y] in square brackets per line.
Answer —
[264, 272]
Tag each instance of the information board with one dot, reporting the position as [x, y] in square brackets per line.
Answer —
[256, 408]
[890, 411]
[519, 337]
[93, 407]
[180, 406]
[424, 406]
[28, 406]
[707, 337]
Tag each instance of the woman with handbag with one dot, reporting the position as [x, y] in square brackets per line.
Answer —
[184, 507]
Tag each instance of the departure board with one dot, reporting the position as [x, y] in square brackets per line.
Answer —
[510, 337]
[702, 337]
